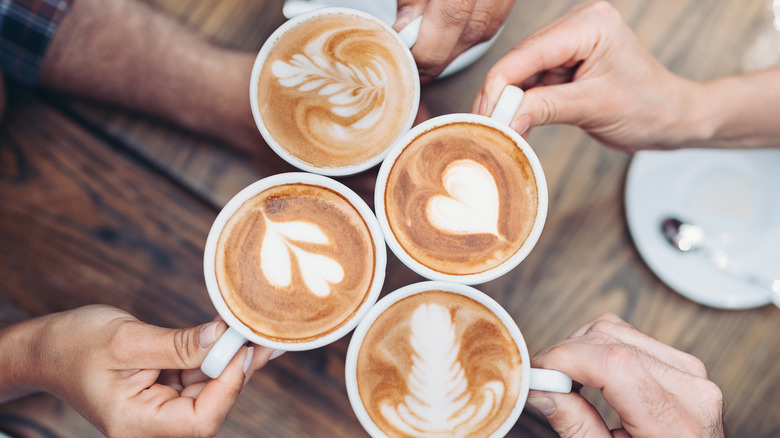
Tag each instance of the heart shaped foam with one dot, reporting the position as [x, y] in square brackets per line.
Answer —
[472, 204]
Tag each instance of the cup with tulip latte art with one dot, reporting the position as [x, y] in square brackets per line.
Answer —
[439, 359]
[463, 197]
[332, 89]
[292, 262]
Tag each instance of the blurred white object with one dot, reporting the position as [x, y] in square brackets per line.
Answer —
[765, 50]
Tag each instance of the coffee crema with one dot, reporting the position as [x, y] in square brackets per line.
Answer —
[336, 90]
[461, 198]
[438, 364]
[295, 262]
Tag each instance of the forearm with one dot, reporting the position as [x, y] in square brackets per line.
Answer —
[126, 53]
[734, 112]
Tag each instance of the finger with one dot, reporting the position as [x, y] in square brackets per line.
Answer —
[442, 25]
[195, 375]
[626, 385]
[203, 415]
[171, 378]
[484, 23]
[621, 331]
[408, 10]
[569, 414]
[194, 390]
[144, 346]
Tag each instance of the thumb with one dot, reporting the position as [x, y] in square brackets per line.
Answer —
[556, 104]
[155, 347]
[569, 414]
[408, 10]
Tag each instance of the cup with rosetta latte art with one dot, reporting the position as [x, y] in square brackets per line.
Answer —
[332, 89]
[292, 262]
[440, 359]
[463, 197]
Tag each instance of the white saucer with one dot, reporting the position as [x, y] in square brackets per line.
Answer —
[386, 11]
[734, 195]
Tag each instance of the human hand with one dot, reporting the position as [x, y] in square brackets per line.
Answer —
[656, 390]
[129, 378]
[449, 28]
[589, 69]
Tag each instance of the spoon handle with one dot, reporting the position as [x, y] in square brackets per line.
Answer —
[770, 285]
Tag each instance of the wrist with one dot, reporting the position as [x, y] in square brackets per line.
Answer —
[732, 112]
[691, 122]
[18, 343]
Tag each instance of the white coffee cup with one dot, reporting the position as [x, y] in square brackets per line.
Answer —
[502, 116]
[532, 378]
[238, 333]
[406, 39]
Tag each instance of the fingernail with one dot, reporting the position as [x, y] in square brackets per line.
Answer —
[248, 361]
[522, 124]
[544, 405]
[482, 104]
[276, 354]
[208, 334]
[403, 17]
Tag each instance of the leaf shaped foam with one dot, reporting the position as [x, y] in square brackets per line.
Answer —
[439, 403]
[350, 89]
[319, 271]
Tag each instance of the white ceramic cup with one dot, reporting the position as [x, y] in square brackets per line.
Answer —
[502, 116]
[533, 378]
[238, 333]
[406, 38]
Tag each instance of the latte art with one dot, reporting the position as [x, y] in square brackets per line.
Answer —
[295, 262]
[336, 90]
[471, 203]
[438, 364]
[461, 198]
[279, 243]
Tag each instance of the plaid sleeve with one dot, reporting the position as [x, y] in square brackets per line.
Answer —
[26, 29]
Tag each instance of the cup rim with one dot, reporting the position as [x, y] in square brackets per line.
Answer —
[209, 258]
[350, 367]
[257, 68]
[480, 277]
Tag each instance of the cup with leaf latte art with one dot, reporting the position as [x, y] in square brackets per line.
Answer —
[292, 262]
[332, 89]
[438, 359]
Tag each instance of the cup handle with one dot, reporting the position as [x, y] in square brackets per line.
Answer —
[549, 380]
[222, 352]
[410, 33]
[507, 105]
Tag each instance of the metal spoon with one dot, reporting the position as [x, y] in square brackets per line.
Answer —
[687, 237]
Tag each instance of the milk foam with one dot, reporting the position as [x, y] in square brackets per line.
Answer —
[439, 402]
[351, 89]
[472, 205]
[319, 272]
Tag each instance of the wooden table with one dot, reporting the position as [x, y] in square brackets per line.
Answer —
[100, 205]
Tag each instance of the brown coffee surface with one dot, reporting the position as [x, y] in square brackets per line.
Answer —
[295, 262]
[438, 364]
[337, 90]
[461, 198]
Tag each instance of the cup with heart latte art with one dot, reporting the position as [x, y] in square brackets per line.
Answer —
[332, 89]
[441, 359]
[463, 197]
[292, 262]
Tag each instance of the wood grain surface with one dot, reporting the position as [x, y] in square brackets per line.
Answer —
[101, 205]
